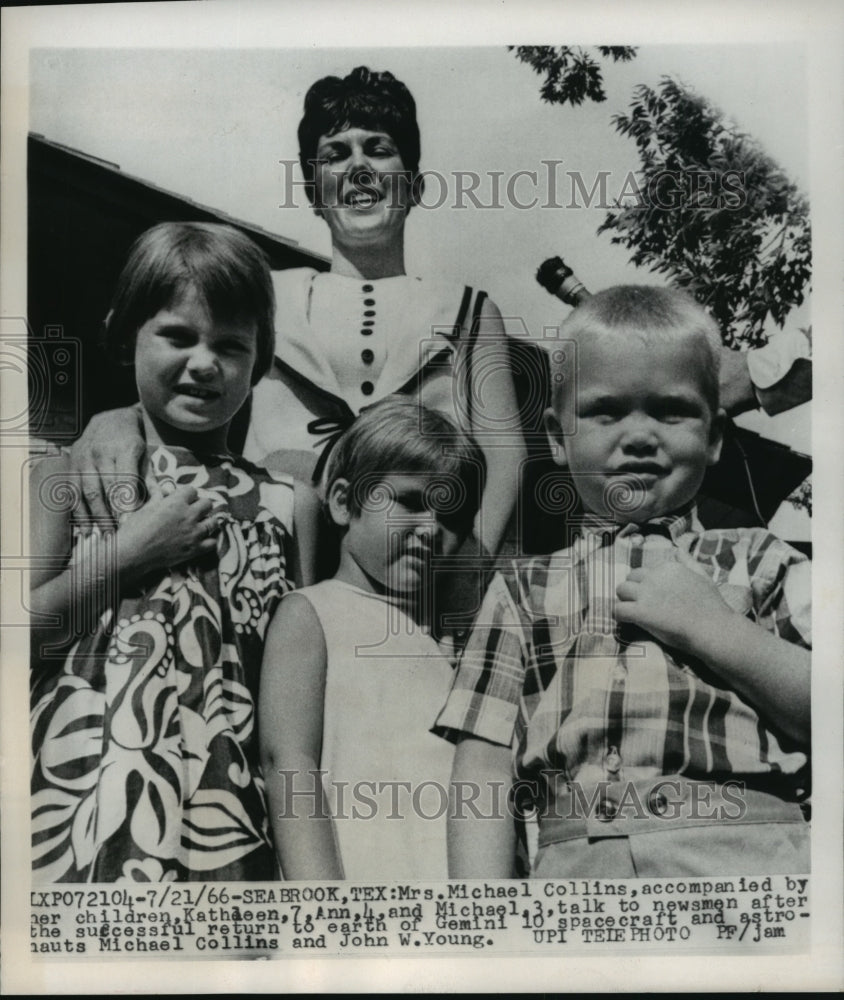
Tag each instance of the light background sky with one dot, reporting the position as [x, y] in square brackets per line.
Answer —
[215, 124]
[167, 123]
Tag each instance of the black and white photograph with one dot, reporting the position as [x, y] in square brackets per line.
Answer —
[421, 484]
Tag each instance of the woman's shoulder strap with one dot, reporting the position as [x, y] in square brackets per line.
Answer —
[469, 313]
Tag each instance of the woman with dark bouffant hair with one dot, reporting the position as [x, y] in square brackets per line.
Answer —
[365, 329]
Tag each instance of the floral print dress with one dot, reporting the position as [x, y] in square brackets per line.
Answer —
[144, 739]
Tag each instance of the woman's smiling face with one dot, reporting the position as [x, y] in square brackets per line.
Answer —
[362, 186]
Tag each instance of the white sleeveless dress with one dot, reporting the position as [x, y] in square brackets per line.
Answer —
[386, 775]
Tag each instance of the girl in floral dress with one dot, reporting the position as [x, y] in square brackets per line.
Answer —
[147, 640]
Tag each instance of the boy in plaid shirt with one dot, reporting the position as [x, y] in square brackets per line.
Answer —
[646, 688]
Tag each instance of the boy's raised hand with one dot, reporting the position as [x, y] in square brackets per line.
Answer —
[166, 531]
[673, 603]
[684, 609]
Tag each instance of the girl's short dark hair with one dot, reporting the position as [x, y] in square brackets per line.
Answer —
[227, 269]
[363, 99]
[399, 436]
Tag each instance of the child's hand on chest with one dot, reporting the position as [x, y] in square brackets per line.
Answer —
[674, 603]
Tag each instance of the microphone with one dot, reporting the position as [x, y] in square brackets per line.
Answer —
[557, 278]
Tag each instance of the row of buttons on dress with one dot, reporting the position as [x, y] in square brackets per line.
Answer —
[367, 355]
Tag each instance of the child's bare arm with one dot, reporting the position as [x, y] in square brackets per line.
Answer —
[290, 710]
[165, 532]
[499, 425]
[481, 832]
[306, 519]
[50, 541]
[50, 488]
[684, 609]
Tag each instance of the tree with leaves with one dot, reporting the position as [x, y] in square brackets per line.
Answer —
[736, 232]
[572, 74]
[710, 209]
[713, 212]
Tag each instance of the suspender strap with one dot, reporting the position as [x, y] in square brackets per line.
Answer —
[463, 310]
[474, 328]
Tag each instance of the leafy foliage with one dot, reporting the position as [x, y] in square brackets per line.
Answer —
[571, 74]
[801, 498]
[712, 212]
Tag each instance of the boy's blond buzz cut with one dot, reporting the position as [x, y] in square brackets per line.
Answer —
[654, 315]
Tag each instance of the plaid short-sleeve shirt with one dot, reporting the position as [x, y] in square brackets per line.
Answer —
[549, 672]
